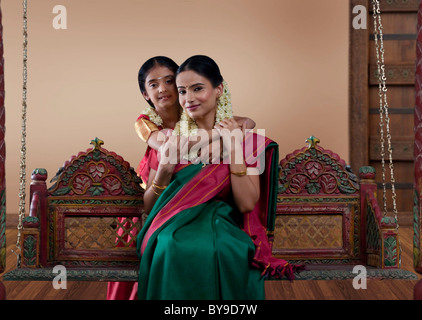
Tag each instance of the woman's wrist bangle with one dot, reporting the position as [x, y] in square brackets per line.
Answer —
[158, 186]
[239, 173]
[157, 189]
[156, 193]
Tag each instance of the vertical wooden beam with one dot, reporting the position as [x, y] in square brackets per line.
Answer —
[2, 159]
[418, 150]
[358, 90]
[2, 168]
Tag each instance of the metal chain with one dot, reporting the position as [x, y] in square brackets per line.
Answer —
[22, 180]
[383, 106]
[381, 109]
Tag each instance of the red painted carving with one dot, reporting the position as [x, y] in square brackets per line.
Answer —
[321, 199]
[83, 212]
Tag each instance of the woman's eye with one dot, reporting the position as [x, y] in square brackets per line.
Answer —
[152, 85]
[170, 81]
[182, 92]
[198, 89]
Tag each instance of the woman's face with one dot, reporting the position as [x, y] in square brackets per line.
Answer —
[198, 97]
[161, 88]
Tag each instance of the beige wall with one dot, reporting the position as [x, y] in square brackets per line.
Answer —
[286, 63]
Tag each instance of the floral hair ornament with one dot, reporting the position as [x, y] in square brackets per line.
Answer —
[152, 115]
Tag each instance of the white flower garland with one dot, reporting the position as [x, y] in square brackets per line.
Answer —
[153, 115]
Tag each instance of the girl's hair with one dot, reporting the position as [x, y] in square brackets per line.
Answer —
[204, 66]
[148, 65]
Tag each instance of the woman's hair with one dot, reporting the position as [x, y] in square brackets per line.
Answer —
[204, 66]
[148, 65]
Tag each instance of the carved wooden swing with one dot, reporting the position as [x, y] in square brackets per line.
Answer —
[326, 215]
[88, 219]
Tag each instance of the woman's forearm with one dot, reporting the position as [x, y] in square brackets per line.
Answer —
[245, 187]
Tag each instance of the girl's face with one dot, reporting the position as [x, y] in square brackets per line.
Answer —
[160, 88]
[198, 97]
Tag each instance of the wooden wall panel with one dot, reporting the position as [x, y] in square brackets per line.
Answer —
[399, 19]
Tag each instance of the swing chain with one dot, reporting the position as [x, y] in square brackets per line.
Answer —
[384, 109]
[22, 176]
[379, 49]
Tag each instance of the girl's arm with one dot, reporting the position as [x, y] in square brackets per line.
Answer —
[157, 182]
[159, 179]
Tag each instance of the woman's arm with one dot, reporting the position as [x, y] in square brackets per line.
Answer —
[245, 187]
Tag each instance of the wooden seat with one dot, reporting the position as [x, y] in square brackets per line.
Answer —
[326, 215]
[86, 221]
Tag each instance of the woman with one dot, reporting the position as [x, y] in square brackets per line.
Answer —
[192, 245]
[156, 79]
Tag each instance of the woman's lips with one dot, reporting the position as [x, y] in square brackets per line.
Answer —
[193, 107]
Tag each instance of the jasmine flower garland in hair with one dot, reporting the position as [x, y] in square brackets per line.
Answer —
[153, 115]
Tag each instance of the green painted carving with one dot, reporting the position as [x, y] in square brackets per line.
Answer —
[390, 251]
[62, 191]
[30, 250]
[312, 141]
[367, 169]
[313, 188]
[40, 171]
[97, 143]
[389, 220]
[96, 190]
[96, 155]
[31, 219]
[72, 274]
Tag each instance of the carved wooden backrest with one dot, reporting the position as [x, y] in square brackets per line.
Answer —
[91, 214]
[318, 208]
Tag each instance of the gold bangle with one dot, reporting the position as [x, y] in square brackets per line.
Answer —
[152, 188]
[239, 173]
[158, 186]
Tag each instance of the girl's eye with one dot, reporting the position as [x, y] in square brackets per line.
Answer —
[170, 81]
[182, 92]
[152, 85]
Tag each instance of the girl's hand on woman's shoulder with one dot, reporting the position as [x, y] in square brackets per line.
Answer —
[231, 133]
